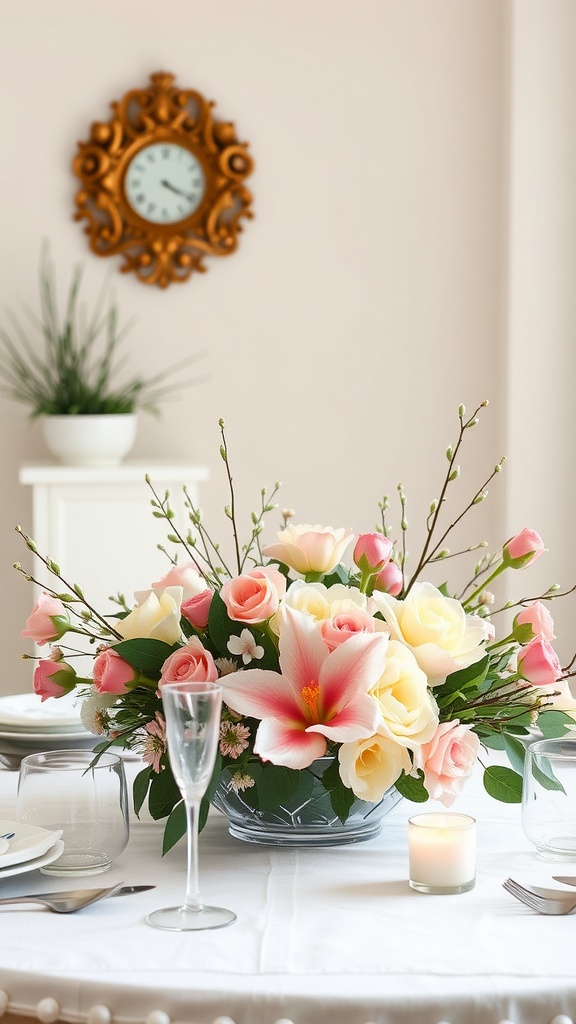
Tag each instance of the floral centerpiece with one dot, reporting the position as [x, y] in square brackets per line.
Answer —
[397, 682]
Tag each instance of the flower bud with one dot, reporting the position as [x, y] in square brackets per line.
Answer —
[372, 552]
[389, 580]
[522, 549]
[538, 663]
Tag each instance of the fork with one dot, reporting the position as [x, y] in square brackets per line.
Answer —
[542, 904]
[65, 902]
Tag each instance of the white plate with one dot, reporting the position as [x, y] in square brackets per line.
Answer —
[39, 862]
[29, 842]
[46, 737]
[26, 710]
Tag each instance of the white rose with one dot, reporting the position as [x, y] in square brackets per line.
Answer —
[370, 766]
[437, 630]
[156, 614]
[310, 598]
[409, 712]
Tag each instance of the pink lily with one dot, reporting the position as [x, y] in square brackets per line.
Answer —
[318, 695]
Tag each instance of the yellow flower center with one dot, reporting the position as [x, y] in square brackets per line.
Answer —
[309, 695]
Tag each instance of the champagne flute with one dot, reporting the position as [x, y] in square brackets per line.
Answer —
[192, 712]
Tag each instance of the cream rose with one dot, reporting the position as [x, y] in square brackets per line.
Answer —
[156, 614]
[436, 628]
[409, 712]
[310, 549]
[370, 766]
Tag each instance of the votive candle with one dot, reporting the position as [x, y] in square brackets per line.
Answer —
[442, 852]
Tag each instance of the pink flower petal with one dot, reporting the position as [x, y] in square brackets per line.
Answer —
[302, 649]
[356, 721]
[352, 668]
[259, 692]
[292, 748]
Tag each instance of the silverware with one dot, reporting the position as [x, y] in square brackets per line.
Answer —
[567, 879]
[75, 899]
[541, 904]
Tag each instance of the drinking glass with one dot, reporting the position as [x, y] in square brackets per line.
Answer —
[192, 712]
[549, 797]
[85, 797]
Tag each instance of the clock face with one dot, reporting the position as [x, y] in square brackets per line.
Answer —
[164, 183]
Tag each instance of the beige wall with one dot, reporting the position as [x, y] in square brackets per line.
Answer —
[369, 296]
[541, 336]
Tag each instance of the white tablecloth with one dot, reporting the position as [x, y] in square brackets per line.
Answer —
[323, 936]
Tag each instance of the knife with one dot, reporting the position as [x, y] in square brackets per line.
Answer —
[568, 879]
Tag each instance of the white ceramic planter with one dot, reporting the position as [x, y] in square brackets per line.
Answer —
[90, 440]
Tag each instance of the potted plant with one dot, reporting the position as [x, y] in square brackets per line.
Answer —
[71, 381]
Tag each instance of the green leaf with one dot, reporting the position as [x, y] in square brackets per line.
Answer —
[494, 740]
[276, 785]
[503, 784]
[140, 788]
[148, 655]
[219, 625]
[211, 789]
[412, 788]
[175, 827]
[516, 752]
[164, 794]
[338, 575]
[545, 776]
[465, 678]
[341, 797]
[221, 628]
[553, 723]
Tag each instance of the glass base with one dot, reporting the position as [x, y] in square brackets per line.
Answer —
[184, 919]
[442, 890]
[557, 848]
[273, 835]
[76, 864]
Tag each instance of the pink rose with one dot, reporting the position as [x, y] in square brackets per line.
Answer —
[185, 576]
[389, 580]
[254, 596]
[372, 552]
[539, 618]
[53, 678]
[523, 549]
[448, 760]
[190, 664]
[346, 624]
[538, 662]
[111, 674]
[197, 608]
[48, 621]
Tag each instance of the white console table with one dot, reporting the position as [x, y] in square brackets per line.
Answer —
[96, 522]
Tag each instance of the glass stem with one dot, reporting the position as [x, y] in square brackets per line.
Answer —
[193, 901]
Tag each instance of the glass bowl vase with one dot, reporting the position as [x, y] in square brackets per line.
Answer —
[306, 819]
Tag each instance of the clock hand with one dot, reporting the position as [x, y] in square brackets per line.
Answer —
[178, 191]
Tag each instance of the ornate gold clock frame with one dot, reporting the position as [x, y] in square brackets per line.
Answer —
[163, 183]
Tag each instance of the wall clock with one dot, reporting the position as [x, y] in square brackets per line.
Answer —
[163, 183]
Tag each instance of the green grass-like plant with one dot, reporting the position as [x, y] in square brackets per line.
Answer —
[75, 370]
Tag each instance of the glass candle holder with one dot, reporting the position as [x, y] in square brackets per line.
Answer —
[442, 852]
[549, 797]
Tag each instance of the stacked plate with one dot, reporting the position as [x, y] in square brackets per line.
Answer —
[26, 847]
[28, 724]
